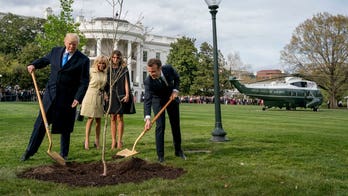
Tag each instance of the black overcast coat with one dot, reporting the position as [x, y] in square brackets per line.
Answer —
[153, 92]
[64, 85]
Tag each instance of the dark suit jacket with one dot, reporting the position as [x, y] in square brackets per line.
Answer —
[64, 85]
[154, 92]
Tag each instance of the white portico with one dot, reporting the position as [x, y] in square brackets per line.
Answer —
[107, 34]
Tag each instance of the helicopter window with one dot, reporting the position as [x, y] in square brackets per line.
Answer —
[299, 84]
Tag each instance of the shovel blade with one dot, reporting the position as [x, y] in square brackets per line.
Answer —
[126, 153]
[56, 157]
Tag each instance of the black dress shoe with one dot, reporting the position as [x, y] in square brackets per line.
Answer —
[161, 159]
[25, 156]
[65, 157]
[180, 154]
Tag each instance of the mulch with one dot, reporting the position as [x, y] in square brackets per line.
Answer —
[91, 174]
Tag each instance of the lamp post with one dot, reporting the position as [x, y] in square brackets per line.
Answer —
[218, 132]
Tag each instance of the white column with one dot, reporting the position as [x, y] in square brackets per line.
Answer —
[139, 66]
[129, 60]
[99, 46]
[115, 44]
[140, 70]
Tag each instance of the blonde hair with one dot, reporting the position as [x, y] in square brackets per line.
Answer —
[124, 62]
[101, 59]
[72, 37]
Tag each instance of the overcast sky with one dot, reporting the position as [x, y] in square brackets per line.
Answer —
[256, 29]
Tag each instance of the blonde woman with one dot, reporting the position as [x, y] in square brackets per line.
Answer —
[92, 104]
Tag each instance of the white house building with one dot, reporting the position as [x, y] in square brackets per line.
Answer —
[107, 34]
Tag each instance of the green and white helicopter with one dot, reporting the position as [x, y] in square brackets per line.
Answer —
[291, 92]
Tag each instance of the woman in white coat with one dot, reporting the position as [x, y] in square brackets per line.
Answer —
[92, 104]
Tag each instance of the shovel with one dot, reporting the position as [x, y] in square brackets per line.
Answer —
[54, 155]
[126, 152]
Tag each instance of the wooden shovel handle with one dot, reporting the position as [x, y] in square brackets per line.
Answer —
[152, 121]
[42, 109]
[161, 111]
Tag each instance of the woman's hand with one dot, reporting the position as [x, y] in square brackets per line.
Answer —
[75, 103]
[125, 99]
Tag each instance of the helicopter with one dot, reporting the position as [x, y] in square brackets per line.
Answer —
[291, 92]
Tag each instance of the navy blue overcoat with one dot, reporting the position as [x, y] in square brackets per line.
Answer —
[65, 84]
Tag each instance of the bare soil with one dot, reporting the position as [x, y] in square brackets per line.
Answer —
[90, 174]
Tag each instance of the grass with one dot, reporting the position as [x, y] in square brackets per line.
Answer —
[273, 152]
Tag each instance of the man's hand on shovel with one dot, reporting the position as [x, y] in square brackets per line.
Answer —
[148, 124]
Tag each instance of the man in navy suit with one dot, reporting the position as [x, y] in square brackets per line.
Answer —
[161, 85]
[66, 87]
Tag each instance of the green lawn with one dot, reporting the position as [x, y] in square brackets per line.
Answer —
[273, 152]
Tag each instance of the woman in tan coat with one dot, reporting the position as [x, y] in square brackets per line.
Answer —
[92, 104]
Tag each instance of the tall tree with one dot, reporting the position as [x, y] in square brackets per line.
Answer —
[203, 83]
[236, 65]
[224, 73]
[30, 52]
[56, 27]
[319, 50]
[183, 56]
[17, 31]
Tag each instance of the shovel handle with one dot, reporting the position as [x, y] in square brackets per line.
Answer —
[42, 109]
[152, 121]
[161, 111]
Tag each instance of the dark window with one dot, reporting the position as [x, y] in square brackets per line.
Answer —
[144, 56]
[132, 76]
[299, 84]
[158, 55]
[144, 75]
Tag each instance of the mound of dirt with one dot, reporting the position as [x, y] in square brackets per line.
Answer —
[90, 174]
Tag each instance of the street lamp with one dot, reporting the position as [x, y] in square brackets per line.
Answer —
[218, 132]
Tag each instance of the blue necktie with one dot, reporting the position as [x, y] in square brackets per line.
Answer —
[65, 58]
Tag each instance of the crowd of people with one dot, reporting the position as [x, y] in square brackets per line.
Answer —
[13, 94]
[223, 100]
[29, 95]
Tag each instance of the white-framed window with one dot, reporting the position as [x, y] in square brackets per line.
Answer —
[144, 56]
[158, 55]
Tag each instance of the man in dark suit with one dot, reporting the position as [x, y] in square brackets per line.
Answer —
[66, 87]
[161, 85]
